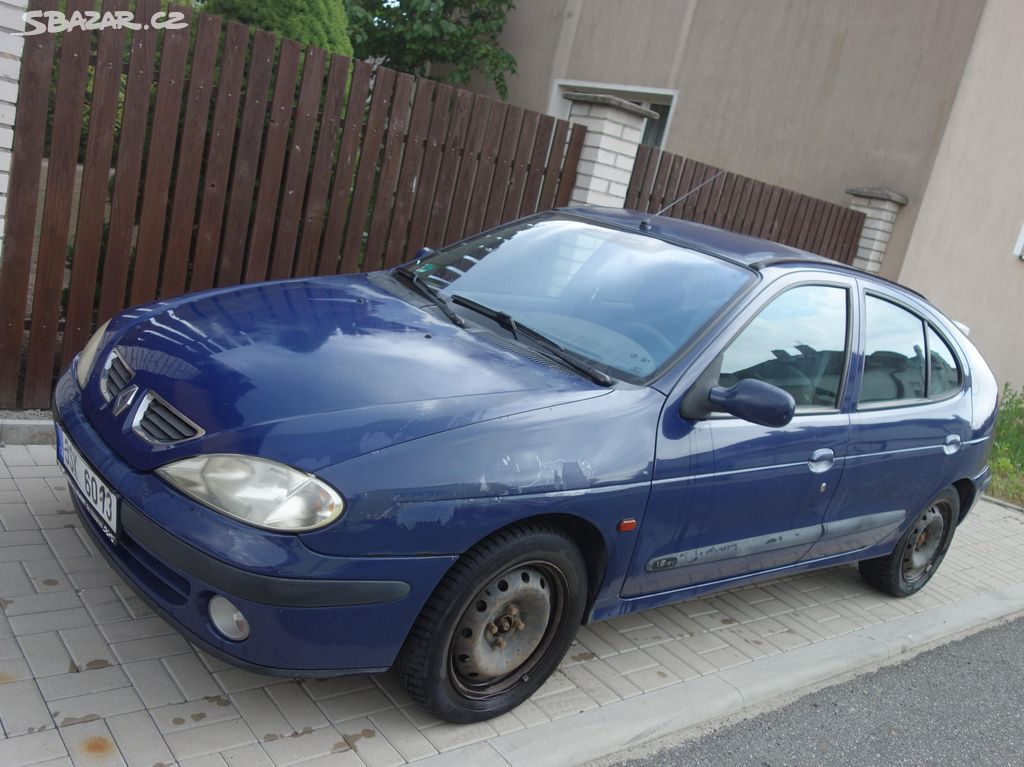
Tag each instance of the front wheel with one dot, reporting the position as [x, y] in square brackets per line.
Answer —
[919, 552]
[497, 625]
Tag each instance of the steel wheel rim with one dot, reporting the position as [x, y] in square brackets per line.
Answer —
[924, 544]
[504, 632]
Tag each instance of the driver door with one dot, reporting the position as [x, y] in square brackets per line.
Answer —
[731, 497]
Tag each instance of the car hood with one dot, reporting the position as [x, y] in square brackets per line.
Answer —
[312, 372]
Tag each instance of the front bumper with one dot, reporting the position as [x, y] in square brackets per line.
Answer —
[344, 615]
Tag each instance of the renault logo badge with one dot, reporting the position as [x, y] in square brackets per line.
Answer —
[124, 398]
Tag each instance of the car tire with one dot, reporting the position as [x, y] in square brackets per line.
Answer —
[497, 625]
[919, 551]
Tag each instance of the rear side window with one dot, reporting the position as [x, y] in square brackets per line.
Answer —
[797, 342]
[943, 370]
[898, 345]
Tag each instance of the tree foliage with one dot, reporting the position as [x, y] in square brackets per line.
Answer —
[443, 39]
[323, 23]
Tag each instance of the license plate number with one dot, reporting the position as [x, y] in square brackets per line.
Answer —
[99, 498]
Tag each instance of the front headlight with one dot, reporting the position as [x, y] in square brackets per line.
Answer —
[87, 356]
[257, 491]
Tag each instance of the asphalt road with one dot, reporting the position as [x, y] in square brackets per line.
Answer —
[959, 704]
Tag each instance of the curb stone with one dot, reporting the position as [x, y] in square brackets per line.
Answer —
[23, 431]
[603, 732]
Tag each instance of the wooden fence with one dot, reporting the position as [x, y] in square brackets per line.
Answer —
[742, 204]
[214, 155]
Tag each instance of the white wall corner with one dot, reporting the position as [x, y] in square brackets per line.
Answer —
[880, 207]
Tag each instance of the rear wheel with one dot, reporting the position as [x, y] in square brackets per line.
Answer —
[919, 552]
[497, 625]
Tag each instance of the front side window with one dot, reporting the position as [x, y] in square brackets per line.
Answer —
[622, 301]
[894, 355]
[798, 343]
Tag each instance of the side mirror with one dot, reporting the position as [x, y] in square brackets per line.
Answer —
[755, 401]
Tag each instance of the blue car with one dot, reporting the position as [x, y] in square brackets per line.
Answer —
[447, 467]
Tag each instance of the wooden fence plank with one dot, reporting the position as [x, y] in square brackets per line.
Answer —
[643, 202]
[163, 141]
[775, 224]
[824, 234]
[702, 198]
[130, 149]
[383, 88]
[829, 236]
[687, 181]
[390, 164]
[247, 158]
[659, 190]
[218, 156]
[767, 207]
[529, 203]
[410, 178]
[319, 181]
[53, 241]
[725, 185]
[675, 178]
[567, 178]
[450, 221]
[26, 167]
[190, 157]
[480, 198]
[433, 154]
[643, 156]
[519, 166]
[758, 191]
[93, 195]
[341, 191]
[503, 166]
[554, 166]
[300, 151]
[447, 141]
[741, 194]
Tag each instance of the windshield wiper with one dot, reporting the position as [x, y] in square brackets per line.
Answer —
[432, 295]
[553, 348]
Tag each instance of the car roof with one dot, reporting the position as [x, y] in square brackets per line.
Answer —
[742, 249]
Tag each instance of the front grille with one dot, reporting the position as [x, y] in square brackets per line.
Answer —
[161, 424]
[116, 375]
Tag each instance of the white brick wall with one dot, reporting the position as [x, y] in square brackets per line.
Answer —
[880, 215]
[608, 154]
[10, 68]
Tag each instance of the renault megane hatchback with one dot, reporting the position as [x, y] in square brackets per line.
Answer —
[448, 466]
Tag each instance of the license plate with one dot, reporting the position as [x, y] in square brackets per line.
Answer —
[99, 499]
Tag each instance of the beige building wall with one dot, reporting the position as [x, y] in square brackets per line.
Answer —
[961, 252]
[815, 95]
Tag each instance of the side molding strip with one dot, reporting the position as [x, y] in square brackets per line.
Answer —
[800, 536]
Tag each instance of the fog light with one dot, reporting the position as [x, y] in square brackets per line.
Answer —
[228, 619]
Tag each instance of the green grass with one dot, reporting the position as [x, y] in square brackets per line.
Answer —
[1007, 459]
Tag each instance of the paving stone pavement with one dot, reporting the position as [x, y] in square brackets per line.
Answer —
[90, 675]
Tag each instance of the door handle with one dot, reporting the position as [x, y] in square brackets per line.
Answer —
[952, 444]
[821, 460]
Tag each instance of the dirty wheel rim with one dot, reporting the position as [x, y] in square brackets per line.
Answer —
[924, 544]
[506, 629]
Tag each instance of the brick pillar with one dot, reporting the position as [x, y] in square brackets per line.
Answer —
[614, 129]
[10, 69]
[880, 208]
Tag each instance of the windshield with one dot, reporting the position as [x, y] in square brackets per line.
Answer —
[622, 301]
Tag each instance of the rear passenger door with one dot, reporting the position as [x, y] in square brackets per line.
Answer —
[911, 413]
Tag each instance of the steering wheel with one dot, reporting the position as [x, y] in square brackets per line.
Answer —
[652, 340]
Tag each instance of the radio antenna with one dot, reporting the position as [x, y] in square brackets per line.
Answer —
[646, 223]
